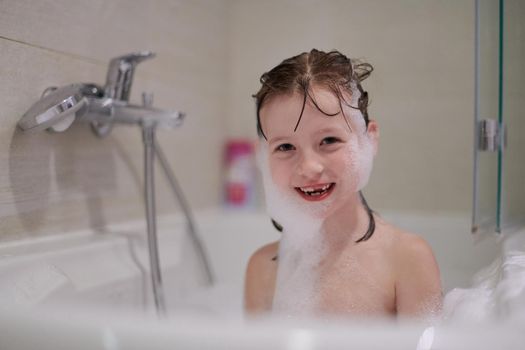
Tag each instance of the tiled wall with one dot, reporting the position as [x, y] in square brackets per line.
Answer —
[52, 183]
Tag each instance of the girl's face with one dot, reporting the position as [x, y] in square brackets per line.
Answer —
[324, 161]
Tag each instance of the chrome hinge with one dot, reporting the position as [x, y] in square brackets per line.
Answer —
[491, 136]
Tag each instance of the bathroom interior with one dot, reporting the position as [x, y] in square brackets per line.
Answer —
[87, 209]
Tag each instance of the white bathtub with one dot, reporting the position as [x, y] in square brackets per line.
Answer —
[91, 290]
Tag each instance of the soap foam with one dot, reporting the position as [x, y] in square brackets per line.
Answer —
[361, 150]
[497, 292]
[302, 245]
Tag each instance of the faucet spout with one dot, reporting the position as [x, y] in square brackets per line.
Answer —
[57, 110]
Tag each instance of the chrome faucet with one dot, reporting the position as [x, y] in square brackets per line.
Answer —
[102, 107]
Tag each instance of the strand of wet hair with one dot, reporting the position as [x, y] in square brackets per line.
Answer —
[371, 221]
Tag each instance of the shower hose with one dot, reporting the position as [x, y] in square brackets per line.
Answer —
[152, 149]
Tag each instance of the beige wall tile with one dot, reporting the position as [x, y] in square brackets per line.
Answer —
[53, 183]
[421, 90]
[102, 29]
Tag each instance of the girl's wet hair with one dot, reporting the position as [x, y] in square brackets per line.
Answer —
[329, 70]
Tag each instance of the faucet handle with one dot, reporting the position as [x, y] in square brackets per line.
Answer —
[120, 74]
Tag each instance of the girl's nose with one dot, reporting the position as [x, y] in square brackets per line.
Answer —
[310, 167]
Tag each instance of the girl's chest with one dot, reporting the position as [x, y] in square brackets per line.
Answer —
[356, 286]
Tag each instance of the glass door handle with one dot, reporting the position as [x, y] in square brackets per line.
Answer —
[491, 136]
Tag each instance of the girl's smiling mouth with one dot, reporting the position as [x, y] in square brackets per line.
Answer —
[316, 192]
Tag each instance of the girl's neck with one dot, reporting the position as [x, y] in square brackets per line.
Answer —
[347, 224]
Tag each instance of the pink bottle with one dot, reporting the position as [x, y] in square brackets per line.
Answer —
[240, 174]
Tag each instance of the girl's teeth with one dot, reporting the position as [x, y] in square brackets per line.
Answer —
[314, 192]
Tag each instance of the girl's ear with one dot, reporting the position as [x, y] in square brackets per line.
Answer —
[373, 134]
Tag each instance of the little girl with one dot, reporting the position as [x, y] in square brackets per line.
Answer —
[315, 152]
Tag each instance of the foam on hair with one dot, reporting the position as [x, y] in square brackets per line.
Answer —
[363, 151]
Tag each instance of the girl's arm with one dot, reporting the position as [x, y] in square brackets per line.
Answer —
[418, 282]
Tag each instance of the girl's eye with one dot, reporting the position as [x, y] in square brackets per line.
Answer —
[329, 140]
[285, 147]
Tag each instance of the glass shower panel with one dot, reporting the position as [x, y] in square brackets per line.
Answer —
[512, 182]
[485, 198]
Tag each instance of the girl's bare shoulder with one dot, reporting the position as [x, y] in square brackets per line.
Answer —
[264, 255]
[402, 243]
[408, 252]
[408, 246]
[260, 279]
